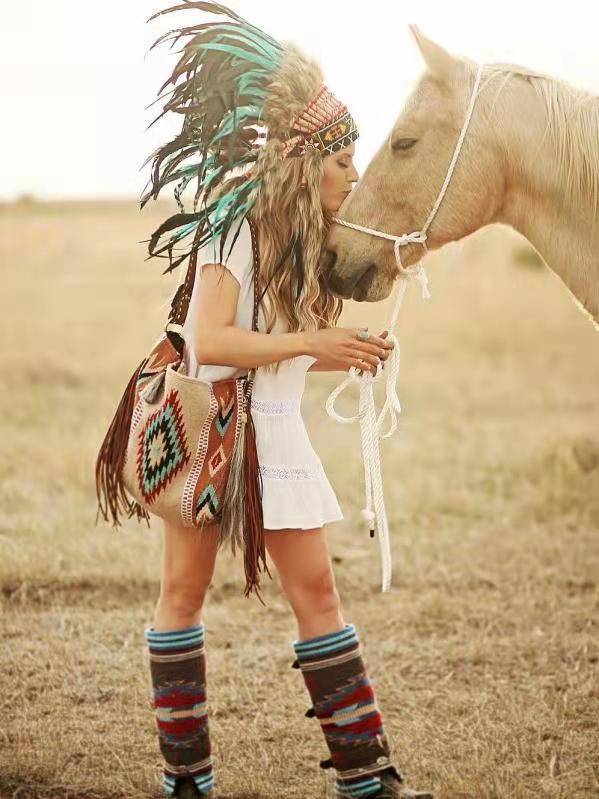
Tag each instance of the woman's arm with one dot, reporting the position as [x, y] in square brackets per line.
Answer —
[216, 338]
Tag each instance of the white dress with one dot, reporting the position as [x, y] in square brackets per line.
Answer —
[296, 491]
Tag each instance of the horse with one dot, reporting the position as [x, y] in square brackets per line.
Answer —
[530, 160]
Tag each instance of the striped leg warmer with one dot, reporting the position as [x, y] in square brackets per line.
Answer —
[178, 672]
[345, 705]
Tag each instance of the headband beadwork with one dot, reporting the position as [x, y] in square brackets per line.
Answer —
[325, 124]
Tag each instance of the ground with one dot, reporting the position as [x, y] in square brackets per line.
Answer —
[484, 654]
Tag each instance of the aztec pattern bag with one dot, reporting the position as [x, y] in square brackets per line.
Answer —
[184, 449]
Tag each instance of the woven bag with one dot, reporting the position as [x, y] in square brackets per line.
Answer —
[184, 449]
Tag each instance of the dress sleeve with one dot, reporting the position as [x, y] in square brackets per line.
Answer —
[239, 261]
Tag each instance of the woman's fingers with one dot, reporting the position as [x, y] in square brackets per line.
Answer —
[362, 366]
[374, 350]
[371, 347]
[376, 341]
[364, 359]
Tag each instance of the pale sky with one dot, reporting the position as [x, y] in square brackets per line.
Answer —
[76, 79]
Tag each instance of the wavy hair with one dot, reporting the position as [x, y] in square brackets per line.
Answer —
[291, 221]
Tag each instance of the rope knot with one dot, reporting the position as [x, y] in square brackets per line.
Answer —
[417, 237]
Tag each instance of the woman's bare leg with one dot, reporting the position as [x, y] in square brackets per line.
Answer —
[329, 654]
[304, 565]
[188, 559]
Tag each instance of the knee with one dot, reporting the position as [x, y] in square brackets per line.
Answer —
[182, 600]
[315, 593]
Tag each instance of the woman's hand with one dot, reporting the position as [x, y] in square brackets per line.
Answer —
[342, 345]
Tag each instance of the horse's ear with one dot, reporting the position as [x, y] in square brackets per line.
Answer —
[439, 61]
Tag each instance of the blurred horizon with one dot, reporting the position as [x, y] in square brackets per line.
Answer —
[80, 104]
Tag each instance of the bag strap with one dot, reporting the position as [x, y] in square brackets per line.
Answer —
[180, 303]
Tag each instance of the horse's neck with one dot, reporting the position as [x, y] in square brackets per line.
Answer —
[560, 227]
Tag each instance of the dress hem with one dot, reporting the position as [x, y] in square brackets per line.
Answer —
[304, 526]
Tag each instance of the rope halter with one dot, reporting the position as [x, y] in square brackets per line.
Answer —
[370, 423]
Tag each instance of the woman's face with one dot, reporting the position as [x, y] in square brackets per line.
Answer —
[338, 177]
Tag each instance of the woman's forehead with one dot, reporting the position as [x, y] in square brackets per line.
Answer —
[349, 150]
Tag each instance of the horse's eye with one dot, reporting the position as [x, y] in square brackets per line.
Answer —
[403, 144]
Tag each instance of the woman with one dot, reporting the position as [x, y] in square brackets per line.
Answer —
[287, 180]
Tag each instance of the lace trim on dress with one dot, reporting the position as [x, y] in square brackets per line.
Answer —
[291, 472]
[289, 406]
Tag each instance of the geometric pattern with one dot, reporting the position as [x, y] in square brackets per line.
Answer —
[344, 702]
[225, 413]
[162, 448]
[335, 136]
[217, 461]
[207, 504]
[324, 124]
[180, 712]
[222, 429]
[352, 704]
[178, 676]
[163, 353]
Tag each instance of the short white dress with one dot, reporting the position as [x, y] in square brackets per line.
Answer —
[296, 491]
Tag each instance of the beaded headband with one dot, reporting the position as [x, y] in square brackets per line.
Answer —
[325, 124]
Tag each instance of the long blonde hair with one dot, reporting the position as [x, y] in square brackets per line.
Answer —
[291, 221]
[292, 227]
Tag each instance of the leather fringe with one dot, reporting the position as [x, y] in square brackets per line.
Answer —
[242, 521]
[231, 518]
[110, 490]
[253, 530]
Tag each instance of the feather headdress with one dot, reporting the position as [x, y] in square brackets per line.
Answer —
[247, 102]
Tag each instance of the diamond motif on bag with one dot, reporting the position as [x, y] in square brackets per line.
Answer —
[217, 461]
[162, 449]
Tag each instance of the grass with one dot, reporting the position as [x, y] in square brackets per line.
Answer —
[484, 654]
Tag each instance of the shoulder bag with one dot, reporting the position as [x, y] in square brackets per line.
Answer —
[184, 449]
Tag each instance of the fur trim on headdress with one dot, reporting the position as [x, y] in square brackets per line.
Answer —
[296, 82]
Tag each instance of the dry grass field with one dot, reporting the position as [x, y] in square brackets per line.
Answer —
[485, 653]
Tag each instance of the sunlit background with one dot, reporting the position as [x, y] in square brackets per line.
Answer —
[77, 79]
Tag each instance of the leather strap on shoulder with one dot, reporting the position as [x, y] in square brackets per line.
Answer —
[256, 259]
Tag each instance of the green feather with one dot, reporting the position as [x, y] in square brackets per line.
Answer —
[245, 55]
[218, 85]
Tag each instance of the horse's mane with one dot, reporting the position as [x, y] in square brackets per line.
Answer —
[572, 122]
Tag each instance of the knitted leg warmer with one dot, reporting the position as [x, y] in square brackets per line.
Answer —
[345, 705]
[178, 673]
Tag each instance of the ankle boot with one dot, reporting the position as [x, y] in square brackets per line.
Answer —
[345, 705]
[178, 676]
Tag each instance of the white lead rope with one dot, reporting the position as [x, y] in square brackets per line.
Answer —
[370, 424]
